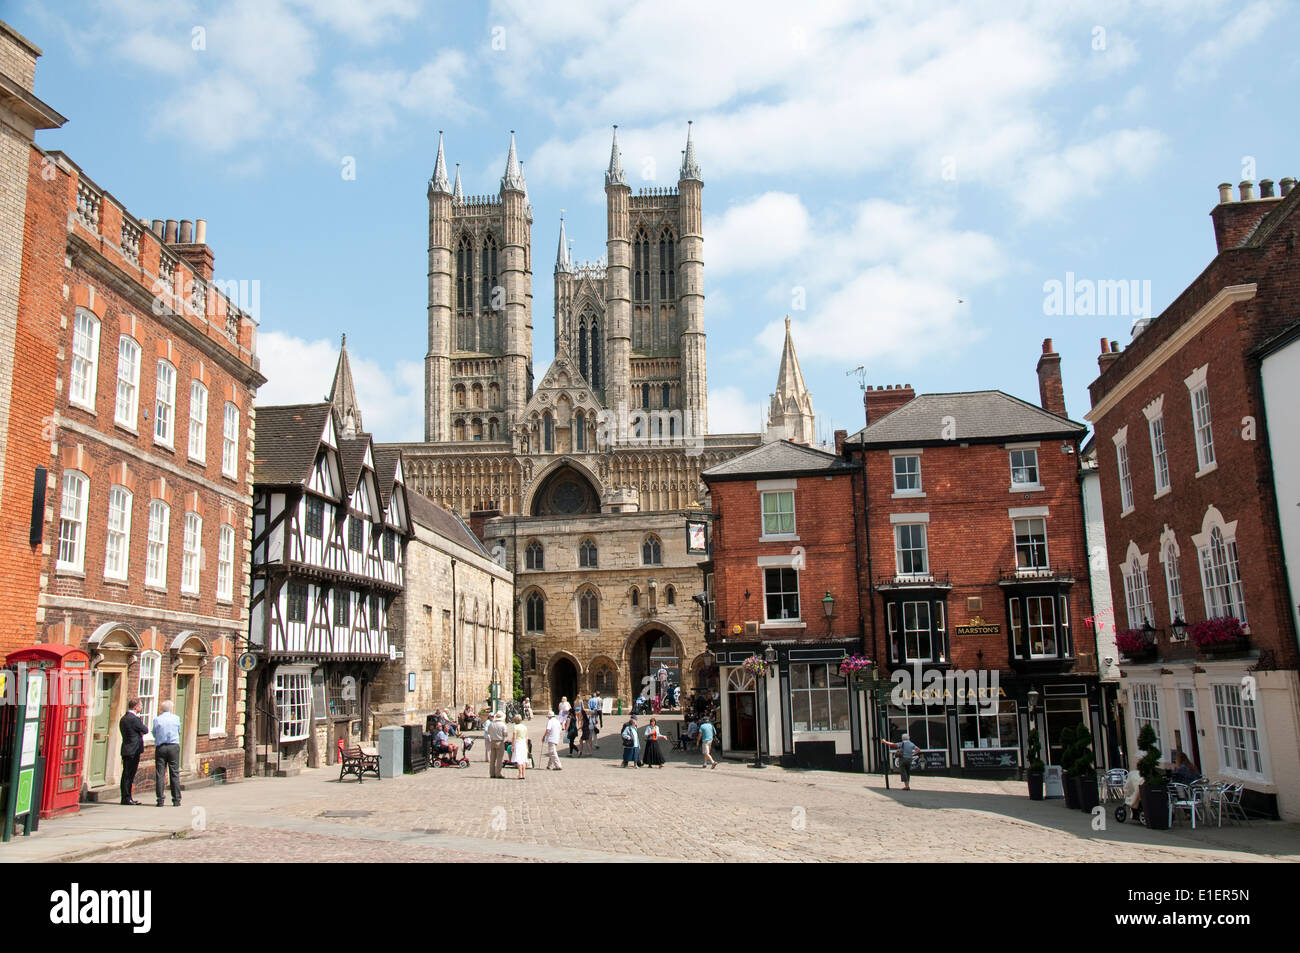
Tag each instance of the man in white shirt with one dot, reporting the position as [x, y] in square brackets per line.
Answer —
[496, 734]
[551, 739]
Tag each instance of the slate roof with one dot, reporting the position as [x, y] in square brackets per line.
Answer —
[977, 415]
[352, 453]
[286, 441]
[443, 522]
[385, 471]
[780, 457]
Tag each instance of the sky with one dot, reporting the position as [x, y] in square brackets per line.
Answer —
[908, 182]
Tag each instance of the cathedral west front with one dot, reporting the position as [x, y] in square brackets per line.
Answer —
[581, 482]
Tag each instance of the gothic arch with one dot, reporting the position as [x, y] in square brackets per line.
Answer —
[651, 625]
[553, 467]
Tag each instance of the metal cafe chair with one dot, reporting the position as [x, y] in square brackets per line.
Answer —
[1231, 801]
[1182, 799]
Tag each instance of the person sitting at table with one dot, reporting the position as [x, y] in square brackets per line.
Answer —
[1184, 771]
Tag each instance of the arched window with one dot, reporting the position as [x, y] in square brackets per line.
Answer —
[652, 551]
[589, 610]
[670, 596]
[488, 272]
[645, 396]
[535, 613]
[667, 256]
[635, 596]
[476, 429]
[641, 264]
[492, 429]
[464, 293]
[604, 680]
[595, 380]
[665, 394]
[458, 430]
[476, 395]
[582, 349]
[1221, 578]
[1173, 582]
[460, 395]
[548, 433]
[494, 395]
[587, 554]
[533, 556]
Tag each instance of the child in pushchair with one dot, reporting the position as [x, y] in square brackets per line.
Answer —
[1132, 802]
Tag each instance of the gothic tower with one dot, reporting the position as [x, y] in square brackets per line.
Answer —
[618, 304]
[479, 367]
[790, 415]
[694, 375]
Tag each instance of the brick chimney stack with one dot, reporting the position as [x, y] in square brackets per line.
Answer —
[1109, 354]
[1233, 221]
[840, 437]
[882, 399]
[1051, 393]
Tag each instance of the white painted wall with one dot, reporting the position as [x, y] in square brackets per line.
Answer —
[1281, 376]
[1103, 609]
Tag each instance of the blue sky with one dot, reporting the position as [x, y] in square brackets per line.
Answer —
[912, 175]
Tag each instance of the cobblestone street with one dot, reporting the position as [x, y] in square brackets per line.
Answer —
[596, 810]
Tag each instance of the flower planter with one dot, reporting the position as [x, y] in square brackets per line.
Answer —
[1155, 805]
[1229, 649]
[1071, 792]
[1035, 780]
[1088, 795]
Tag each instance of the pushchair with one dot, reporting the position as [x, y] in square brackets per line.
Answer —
[1132, 801]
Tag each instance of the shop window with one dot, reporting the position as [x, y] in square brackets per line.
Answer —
[819, 698]
[989, 726]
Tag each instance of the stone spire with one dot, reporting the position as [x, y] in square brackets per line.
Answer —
[690, 166]
[439, 182]
[790, 416]
[514, 177]
[614, 175]
[456, 194]
[563, 261]
[343, 394]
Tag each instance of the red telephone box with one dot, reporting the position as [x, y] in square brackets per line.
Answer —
[63, 744]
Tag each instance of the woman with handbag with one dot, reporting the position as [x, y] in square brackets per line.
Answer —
[631, 743]
[652, 754]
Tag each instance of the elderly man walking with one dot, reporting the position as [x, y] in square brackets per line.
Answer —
[167, 753]
[497, 733]
[551, 740]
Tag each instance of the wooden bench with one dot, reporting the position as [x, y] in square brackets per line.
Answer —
[358, 762]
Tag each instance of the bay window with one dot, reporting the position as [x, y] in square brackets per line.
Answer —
[293, 702]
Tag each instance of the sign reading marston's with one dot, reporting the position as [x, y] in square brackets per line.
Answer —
[977, 626]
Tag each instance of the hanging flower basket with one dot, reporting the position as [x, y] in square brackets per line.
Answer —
[1135, 644]
[754, 665]
[855, 665]
[1219, 636]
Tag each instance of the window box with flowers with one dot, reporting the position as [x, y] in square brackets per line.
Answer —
[1136, 645]
[1219, 637]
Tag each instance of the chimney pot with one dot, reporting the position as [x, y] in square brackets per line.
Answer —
[1225, 192]
[170, 237]
[1287, 184]
[1105, 345]
[1047, 345]
[157, 228]
[1266, 188]
[187, 231]
[1247, 190]
[201, 231]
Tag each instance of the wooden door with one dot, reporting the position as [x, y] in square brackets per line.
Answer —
[102, 730]
[183, 683]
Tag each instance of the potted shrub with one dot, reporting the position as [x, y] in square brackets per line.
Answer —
[1084, 771]
[1067, 779]
[1218, 636]
[1035, 773]
[1136, 645]
[1155, 793]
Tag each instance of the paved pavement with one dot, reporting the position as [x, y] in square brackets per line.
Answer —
[596, 810]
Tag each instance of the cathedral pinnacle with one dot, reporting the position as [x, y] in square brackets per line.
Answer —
[614, 175]
[456, 194]
[690, 167]
[343, 393]
[791, 413]
[563, 261]
[514, 177]
[439, 182]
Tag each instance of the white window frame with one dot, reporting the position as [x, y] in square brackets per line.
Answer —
[1240, 741]
[797, 595]
[1036, 483]
[1169, 557]
[1144, 705]
[1125, 473]
[1159, 456]
[198, 433]
[1216, 578]
[778, 514]
[291, 691]
[192, 554]
[898, 550]
[83, 370]
[126, 408]
[117, 536]
[164, 404]
[220, 683]
[1198, 392]
[1015, 538]
[151, 676]
[226, 563]
[230, 441]
[931, 631]
[835, 686]
[75, 498]
[1053, 632]
[903, 491]
[1137, 588]
[155, 563]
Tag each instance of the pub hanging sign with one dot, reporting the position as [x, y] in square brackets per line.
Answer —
[977, 626]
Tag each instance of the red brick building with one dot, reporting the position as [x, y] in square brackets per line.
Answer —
[1191, 512]
[974, 570]
[139, 377]
[783, 576]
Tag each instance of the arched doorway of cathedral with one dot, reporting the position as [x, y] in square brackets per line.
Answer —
[654, 654]
[562, 678]
[602, 677]
[568, 490]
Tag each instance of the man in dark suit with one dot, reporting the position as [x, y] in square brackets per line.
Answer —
[133, 730]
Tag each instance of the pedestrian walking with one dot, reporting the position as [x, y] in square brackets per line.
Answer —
[571, 732]
[906, 752]
[167, 753]
[133, 729]
[487, 743]
[585, 738]
[706, 743]
[519, 746]
[528, 708]
[497, 734]
[563, 710]
[551, 740]
[631, 743]
[652, 753]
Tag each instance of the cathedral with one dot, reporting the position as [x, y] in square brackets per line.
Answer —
[581, 482]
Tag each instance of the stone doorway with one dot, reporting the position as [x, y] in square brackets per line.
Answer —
[655, 662]
[563, 681]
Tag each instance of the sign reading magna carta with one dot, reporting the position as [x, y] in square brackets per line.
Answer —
[977, 626]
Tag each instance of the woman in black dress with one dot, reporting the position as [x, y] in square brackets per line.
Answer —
[572, 733]
[653, 754]
[585, 744]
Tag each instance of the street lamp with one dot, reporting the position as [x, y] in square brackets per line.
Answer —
[494, 689]
[769, 659]
[828, 604]
[1032, 697]
[1178, 629]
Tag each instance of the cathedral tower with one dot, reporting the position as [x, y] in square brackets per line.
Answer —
[618, 305]
[694, 376]
[479, 367]
[790, 415]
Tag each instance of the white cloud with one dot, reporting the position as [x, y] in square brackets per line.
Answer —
[731, 411]
[1081, 170]
[301, 371]
[1241, 29]
[754, 235]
